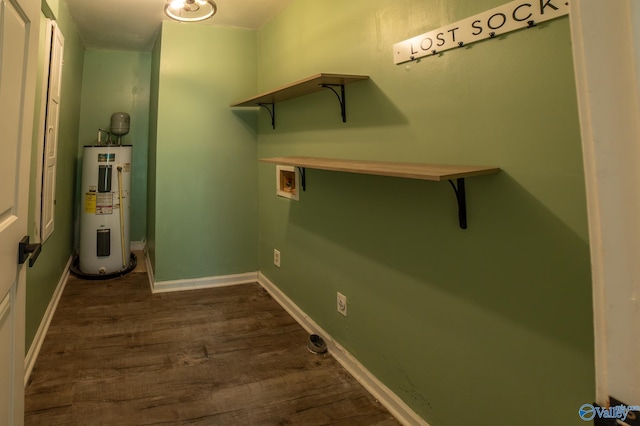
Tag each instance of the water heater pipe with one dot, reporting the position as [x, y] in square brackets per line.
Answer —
[124, 257]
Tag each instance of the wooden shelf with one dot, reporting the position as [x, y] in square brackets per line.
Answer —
[303, 87]
[432, 172]
[300, 88]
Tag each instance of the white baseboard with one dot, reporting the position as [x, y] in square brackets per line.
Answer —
[147, 260]
[38, 339]
[375, 387]
[137, 245]
[192, 284]
[206, 282]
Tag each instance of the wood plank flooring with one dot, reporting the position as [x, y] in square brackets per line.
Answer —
[115, 354]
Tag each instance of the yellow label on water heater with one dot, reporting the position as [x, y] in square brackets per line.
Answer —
[90, 202]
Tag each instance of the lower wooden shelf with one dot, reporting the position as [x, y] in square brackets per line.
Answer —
[432, 172]
[435, 172]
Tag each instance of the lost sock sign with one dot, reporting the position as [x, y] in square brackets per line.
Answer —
[503, 19]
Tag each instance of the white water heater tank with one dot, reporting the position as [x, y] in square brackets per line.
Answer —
[104, 218]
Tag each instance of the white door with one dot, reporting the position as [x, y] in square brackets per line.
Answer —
[19, 22]
[50, 152]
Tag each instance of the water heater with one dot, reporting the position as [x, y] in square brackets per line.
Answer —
[105, 209]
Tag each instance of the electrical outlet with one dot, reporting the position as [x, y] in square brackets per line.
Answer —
[276, 257]
[342, 304]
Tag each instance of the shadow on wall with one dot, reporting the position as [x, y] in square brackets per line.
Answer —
[517, 258]
[321, 111]
[248, 118]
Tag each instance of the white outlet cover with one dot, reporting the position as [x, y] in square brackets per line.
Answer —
[342, 304]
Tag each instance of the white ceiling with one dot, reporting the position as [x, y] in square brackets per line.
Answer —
[133, 24]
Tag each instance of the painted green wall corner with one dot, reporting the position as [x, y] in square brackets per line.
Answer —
[151, 154]
[118, 81]
[44, 276]
[456, 322]
[205, 164]
[51, 8]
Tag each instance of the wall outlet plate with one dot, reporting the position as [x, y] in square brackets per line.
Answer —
[342, 304]
[276, 257]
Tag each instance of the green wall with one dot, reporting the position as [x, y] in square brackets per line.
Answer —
[151, 155]
[118, 81]
[205, 155]
[44, 276]
[489, 325]
[51, 8]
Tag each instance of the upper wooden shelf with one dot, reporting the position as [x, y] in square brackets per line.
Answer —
[307, 86]
[300, 88]
[434, 172]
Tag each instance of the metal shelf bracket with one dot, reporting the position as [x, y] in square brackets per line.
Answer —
[341, 98]
[303, 178]
[458, 189]
[462, 201]
[272, 112]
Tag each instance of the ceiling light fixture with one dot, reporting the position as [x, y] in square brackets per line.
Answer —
[190, 10]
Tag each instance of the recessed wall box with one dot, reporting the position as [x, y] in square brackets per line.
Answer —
[288, 182]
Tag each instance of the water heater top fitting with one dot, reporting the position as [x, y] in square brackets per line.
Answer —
[120, 123]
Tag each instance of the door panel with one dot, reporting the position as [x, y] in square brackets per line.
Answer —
[51, 132]
[13, 57]
[19, 21]
[5, 354]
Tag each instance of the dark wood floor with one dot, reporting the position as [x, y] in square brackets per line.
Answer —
[117, 355]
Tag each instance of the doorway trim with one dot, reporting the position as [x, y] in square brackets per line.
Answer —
[606, 52]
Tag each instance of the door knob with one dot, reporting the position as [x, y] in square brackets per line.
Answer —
[25, 249]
